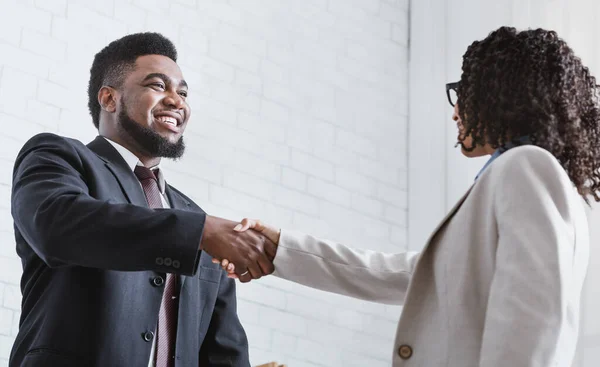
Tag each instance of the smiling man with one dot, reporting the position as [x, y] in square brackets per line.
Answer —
[117, 264]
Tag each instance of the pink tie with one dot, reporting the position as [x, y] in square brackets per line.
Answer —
[167, 316]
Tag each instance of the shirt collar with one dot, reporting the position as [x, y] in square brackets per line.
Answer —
[494, 156]
[521, 141]
[132, 160]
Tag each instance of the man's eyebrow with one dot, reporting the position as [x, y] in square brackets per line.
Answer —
[164, 78]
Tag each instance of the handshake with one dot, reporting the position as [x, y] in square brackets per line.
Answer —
[250, 245]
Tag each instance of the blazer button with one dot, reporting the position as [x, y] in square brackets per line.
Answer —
[176, 264]
[168, 261]
[405, 351]
[160, 261]
[148, 336]
[158, 281]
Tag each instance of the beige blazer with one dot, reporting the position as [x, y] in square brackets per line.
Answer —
[498, 283]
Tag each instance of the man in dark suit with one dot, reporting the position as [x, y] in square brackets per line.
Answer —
[117, 263]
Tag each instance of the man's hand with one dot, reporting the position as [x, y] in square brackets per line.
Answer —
[270, 232]
[251, 251]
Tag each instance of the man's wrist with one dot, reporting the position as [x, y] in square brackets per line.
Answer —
[207, 231]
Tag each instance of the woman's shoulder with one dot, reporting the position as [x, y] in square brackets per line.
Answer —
[528, 152]
[528, 165]
[528, 158]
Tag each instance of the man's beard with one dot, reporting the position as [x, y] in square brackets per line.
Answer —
[149, 140]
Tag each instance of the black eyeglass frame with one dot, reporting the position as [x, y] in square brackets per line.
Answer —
[451, 86]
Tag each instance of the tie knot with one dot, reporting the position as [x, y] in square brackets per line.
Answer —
[144, 173]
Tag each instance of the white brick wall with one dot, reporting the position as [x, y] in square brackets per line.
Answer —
[299, 118]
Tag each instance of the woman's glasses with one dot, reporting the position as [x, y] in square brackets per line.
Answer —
[452, 92]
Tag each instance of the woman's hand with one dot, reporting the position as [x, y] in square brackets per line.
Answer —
[268, 231]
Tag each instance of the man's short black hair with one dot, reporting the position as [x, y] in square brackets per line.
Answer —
[111, 65]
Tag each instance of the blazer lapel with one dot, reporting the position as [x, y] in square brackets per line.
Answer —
[119, 168]
[447, 218]
[176, 201]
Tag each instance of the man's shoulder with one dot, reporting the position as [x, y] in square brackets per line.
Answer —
[51, 139]
[53, 146]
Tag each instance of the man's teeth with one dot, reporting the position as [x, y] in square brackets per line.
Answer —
[168, 120]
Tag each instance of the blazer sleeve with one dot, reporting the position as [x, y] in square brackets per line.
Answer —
[65, 226]
[541, 260]
[225, 343]
[333, 267]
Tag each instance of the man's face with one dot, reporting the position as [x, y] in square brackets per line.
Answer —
[152, 109]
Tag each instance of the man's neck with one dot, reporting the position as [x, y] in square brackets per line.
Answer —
[149, 162]
[146, 161]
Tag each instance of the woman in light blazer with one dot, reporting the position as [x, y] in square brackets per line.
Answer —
[499, 281]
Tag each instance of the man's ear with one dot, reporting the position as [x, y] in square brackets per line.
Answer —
[107, 97]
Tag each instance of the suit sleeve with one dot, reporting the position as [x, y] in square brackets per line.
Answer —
[54, 212]
[225, 343]
[539, 270]
[333, 267]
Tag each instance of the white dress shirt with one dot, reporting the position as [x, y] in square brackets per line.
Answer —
[132, 161]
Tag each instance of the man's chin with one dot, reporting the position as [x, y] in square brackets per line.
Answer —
[168, 135]
[171, 139]
[161, 145]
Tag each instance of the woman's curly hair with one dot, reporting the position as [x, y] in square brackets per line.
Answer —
[530, 83]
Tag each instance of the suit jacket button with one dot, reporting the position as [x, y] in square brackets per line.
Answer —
[148, 336]
[405, 351]
[160, 261]
[158, 281]
[176, 264]
[168, 261]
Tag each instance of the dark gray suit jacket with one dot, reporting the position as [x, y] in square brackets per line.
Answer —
[93, 257]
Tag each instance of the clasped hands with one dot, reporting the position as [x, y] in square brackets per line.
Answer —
[250, 245]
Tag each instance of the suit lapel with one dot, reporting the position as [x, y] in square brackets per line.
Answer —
[447, 218]
[119, 168]
[127, 180]
[176, 201]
